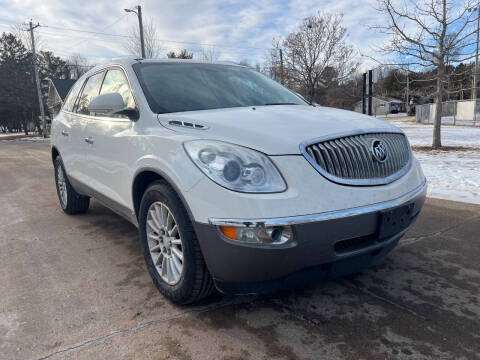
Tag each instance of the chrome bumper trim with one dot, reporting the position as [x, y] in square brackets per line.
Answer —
[419, 191]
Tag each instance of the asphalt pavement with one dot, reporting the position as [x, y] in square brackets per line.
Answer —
[76, 287]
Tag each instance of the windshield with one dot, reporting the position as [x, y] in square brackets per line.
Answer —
[175, 87]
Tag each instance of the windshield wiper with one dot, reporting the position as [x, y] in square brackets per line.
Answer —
[280, 103]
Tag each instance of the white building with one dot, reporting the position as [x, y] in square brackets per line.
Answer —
[383, 106]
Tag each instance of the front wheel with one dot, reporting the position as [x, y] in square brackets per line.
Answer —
[170, 247]
[70, 201]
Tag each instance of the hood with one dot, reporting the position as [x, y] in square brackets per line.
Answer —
[273, 130]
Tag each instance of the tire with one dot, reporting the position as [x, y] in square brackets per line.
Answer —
[73, 203]
[162, 245]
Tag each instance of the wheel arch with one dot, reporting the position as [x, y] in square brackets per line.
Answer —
[143, 178]
[55, 153]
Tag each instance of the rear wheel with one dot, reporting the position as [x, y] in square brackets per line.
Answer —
[70, 201]
[170, 247]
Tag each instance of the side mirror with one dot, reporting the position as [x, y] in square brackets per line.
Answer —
[106, 103]
[111, 103]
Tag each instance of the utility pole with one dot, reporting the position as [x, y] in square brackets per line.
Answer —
[140, 25]
[364, 91]
[370, 91]
[281, 66]
[474, 82]
[31, 27]
[408, 92]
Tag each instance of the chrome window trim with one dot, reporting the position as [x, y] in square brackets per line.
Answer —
[419, 191]
[94, 71]
[356, 182]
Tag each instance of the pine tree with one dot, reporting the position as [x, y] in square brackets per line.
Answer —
[17, 90]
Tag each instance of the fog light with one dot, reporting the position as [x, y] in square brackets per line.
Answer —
[259, 235]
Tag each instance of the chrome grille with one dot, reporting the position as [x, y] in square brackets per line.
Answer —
[351, 159]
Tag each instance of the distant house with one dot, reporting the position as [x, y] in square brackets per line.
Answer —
[383, 105]
[57, 92]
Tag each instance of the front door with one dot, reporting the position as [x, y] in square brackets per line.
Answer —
[109, 158]
[79, 120]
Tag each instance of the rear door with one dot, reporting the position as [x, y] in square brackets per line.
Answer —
[62, 128]
[111, 154]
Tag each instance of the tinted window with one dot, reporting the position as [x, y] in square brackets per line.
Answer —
[72, 96]
[90, 90]
[116, 82]
[174, 87]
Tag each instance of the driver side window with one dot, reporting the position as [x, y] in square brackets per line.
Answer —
[116, 82]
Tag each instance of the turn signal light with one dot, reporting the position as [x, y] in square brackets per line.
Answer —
[259, 235]
[229, 231]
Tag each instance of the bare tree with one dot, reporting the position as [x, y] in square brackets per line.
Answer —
[272, 60]
[150, 37]
[317, 53]
[209, 54]
[182, 54]
[430, 34]
[78, 65]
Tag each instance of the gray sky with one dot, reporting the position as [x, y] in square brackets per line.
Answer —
[247, 25]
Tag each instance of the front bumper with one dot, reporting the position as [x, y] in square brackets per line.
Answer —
[325, 246]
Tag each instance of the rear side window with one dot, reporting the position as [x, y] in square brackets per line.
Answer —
[90, 90]
[116, 82]
[72, 96]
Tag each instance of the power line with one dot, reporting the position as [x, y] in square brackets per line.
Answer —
[106, 27]
[196, 49]
[162, 40]
[214, 45]
[66, 65]
[86, 31]
[60, 35]
[63, 53]
[101, 33]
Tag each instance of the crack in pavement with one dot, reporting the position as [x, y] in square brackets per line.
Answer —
[351, 285]
[101, 339]
[404, 242]
[412, 240]
[288, 310]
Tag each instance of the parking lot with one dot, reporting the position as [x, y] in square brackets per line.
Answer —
[76, 287]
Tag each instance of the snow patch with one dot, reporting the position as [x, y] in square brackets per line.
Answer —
[452, 175]
[421, 135]
[34, 139]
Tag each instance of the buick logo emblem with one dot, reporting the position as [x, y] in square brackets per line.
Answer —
[379, 150]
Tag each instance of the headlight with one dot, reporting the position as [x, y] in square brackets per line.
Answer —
[235, 167]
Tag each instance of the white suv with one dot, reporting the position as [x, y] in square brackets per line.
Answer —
[234, 181]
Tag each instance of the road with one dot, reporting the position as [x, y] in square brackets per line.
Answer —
[76, 287]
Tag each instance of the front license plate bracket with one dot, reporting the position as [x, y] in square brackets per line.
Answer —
[394, 221]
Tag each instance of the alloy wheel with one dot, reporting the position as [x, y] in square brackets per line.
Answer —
[62, 186]
[164, 242]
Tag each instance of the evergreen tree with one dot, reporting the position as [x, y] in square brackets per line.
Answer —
[18, 104]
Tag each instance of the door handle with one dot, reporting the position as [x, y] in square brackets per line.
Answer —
[89, 140]
[64, 133]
